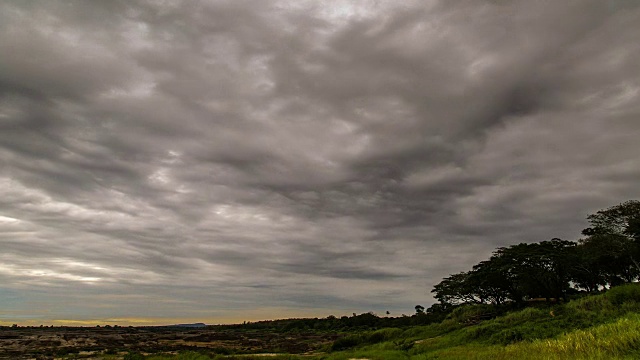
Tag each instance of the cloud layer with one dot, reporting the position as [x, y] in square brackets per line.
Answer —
[228, 159]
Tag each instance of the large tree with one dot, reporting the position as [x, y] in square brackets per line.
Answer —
[539, 269]
[494, 280]
[607, 260]
[457, 289]
[513, 273]
[613, 242]
[607, 256]
[622, 219]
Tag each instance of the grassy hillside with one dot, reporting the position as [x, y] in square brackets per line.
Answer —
[605, 326]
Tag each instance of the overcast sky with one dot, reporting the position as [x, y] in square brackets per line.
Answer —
[174, 161]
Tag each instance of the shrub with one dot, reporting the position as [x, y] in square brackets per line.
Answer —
[591, 303]
[383, 335]
[346, 342]
[133, 356]
[524, 315]
[507, 336]
[472, 313]
[482, 331]
[624, 293]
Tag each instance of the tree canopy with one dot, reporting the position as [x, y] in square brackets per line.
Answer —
[607, 256]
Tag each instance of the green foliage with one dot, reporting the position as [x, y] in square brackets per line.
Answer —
[346, 342]
[590, 303]
[473, 322]
[508, 336]
[554, 269]
[422, 332]
[382, 335]
[134, 356]
[528, 314]
[482, 331]
[332, 324]
[624, 293]
[472, 313]
[603, 326]
[608, 341]
[366, 338]
[619, 219]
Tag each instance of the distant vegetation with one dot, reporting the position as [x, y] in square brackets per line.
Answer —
[516, 304]
[603, 326]
[555, 299]
[515, 276]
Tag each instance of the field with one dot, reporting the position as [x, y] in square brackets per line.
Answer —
[118, 342]
[604, 326]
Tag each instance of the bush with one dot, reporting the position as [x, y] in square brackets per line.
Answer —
[482, 331]
[524, 315]
[382, 335]
[374, 337]
[590, 303]
[346, 342]
[472, 313]
[624, 293]
[507, 336]
[133, 356]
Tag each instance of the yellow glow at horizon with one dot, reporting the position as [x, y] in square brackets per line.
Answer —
[234, 317]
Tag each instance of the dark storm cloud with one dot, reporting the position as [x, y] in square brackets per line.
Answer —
[301, 154]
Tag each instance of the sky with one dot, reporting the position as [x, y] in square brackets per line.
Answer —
[219, 161]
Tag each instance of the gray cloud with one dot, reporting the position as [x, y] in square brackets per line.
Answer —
[221, 156]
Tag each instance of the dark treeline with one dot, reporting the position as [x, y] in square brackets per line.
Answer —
[365, 321]
[514, 276]
[606, 256]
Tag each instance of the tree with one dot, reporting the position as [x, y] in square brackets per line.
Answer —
[558, 258]
[494, 282]
[456, 289]
[512, 274]
[622, 219]
[589, 271]
[609, 255]
[538, 269]
[486, 283]
[615, 235]
[610, 258]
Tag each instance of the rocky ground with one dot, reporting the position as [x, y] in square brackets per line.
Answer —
[51, 343]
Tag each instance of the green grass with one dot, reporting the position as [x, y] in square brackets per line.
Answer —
[617, 340]
[605, 326]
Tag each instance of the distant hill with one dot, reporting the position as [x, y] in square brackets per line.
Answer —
[194, 325]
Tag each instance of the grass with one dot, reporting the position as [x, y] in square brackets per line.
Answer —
[617, 340]
[605, 326]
